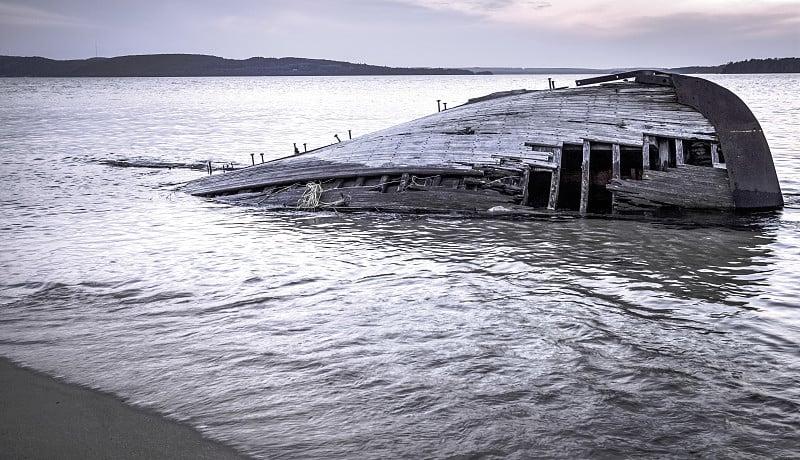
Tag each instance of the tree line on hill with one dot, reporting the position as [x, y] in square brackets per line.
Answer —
[774, 65]
[771, 65]
[193, 65]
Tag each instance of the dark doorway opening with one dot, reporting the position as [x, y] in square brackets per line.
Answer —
[600, 173]
[697, 153]
[569, 188]
[539, 188]
[655, 161]
[630, 162]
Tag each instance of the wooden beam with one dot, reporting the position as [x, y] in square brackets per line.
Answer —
[555, 180]
[526, 180]
[533, 155]
[253, 178]
[403, 182]
[679, 158]
[585, 178]
[551, 145]
[609, 141]
[615, 173]
[663, 154]
[714, 154]
[645, 152]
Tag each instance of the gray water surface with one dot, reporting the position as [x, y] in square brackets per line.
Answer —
[302, 335]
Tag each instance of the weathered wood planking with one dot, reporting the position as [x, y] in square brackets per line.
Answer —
[371, 199]
[473, 133]
[686, 186]
[508, 148]
[319, 172]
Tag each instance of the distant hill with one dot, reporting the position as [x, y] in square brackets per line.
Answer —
[538, 70]
[198, 65]
[698, 69]
[772, 65]
[194, 65]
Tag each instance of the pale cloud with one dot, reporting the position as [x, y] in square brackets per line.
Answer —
[617, 18]
[15, 14]
[519, 33]
[491, 9]
[614, 18]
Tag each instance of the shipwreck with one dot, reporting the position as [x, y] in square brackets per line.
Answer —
[634, 142]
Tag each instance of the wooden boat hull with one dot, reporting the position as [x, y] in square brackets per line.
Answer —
[659, 141]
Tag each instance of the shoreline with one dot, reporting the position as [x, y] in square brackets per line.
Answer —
[44, 417]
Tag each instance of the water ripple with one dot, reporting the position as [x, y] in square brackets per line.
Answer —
[381, 336]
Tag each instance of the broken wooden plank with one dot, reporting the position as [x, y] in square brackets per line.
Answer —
[692, 187]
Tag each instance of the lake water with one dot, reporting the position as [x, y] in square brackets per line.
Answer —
[381, 336]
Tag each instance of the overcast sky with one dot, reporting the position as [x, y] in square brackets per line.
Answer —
[468, 33]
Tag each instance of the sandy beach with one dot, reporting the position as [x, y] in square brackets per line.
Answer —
[43, 418]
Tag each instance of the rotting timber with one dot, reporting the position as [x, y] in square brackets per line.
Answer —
[653, 141]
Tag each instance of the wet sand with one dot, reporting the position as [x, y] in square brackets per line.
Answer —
[43, 418]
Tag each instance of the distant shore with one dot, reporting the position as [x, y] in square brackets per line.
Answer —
[194, 65]
[41, 417]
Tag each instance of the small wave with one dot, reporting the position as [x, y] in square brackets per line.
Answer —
[153, 164]
[23, 342]
[791, 200]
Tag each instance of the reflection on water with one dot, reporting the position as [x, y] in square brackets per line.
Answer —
[374, 336]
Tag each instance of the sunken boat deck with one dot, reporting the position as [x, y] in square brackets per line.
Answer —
[617, 147]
